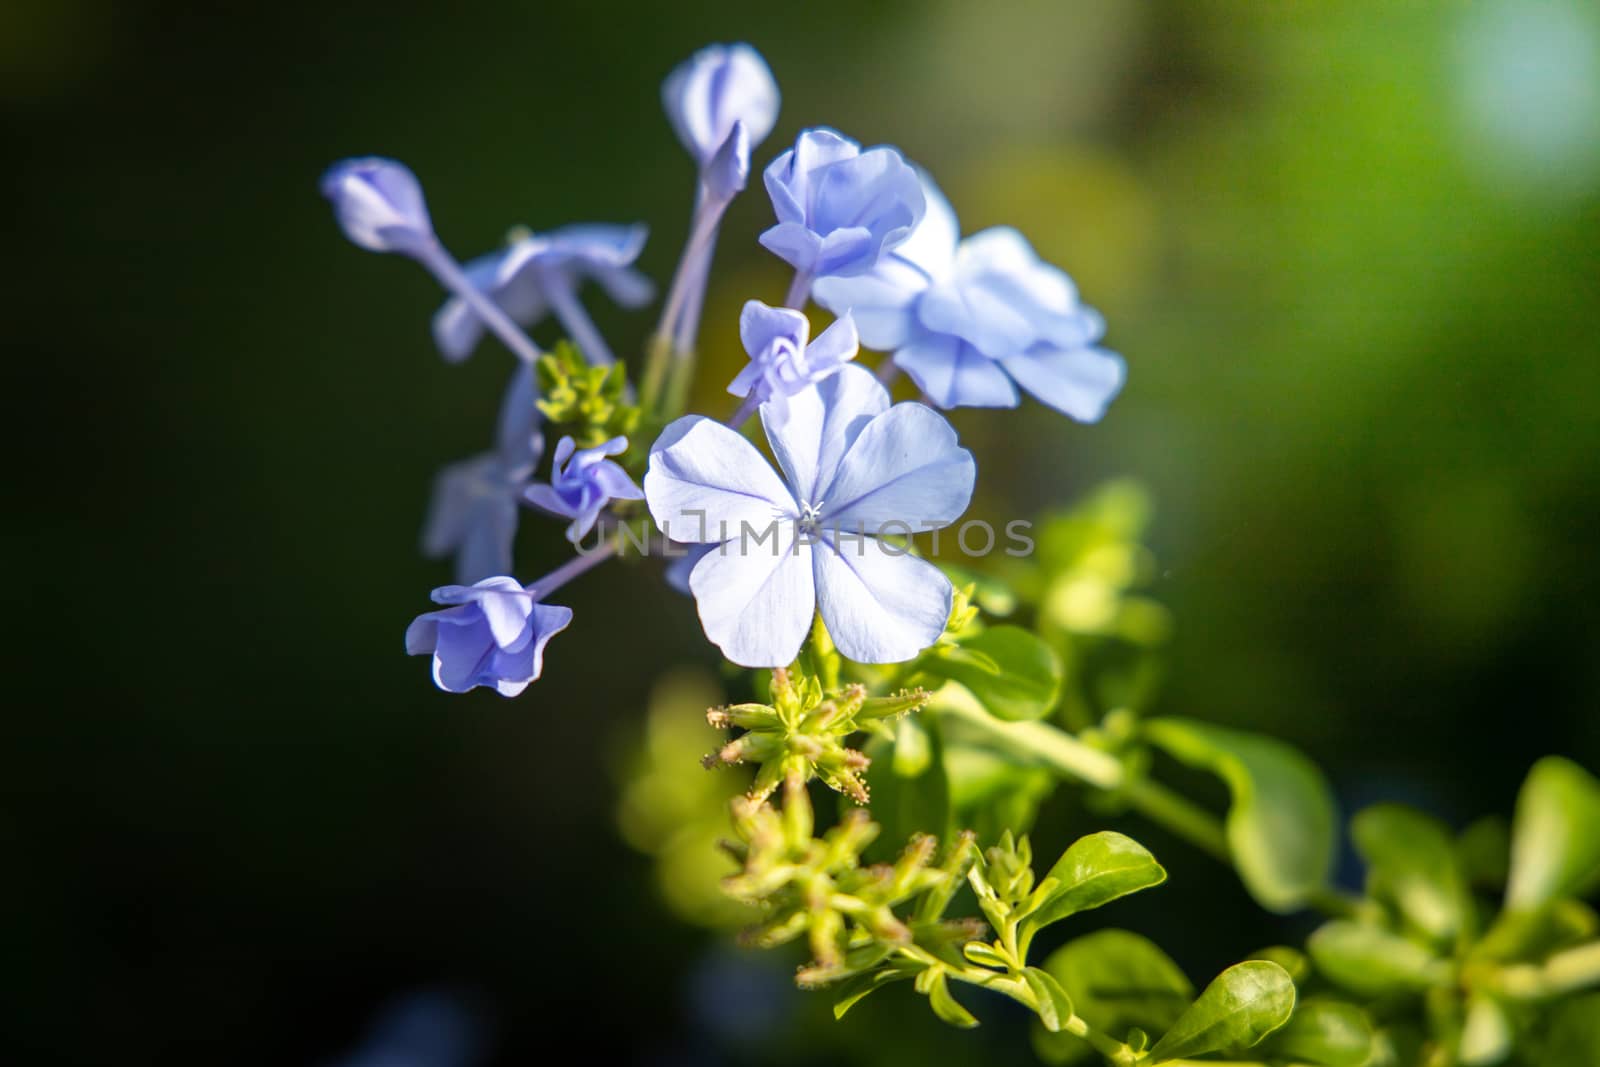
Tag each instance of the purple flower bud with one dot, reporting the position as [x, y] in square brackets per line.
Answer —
[493, 634]
[782, 363]
[582, 483]
[379, 205]
[713, 91]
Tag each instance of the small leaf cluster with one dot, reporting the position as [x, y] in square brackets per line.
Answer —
[588, 402]
[803, 731]
[1462, 980]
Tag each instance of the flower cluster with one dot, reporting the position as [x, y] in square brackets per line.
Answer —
[830, 531]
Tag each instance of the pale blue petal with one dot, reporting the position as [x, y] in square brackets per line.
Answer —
[756, 600]
[879, 603]
[728, 172]
[716, 87]
[761, 325]
[820, 424]
[701, 472]
[954, 374]
[1080, 382]
[848, 250]
[906, 467]
[836, 345]
[932, 245]
[792, 243]
[545, 498]
[517, 438]
[379, 205]
[882, 301]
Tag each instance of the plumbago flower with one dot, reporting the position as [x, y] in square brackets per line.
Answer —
[839, 208]
[536, 274]
[493, 634]
[722, 102]
[473, 513]
[971, 320]
[582, 483]
[791, 545]
[782, 363]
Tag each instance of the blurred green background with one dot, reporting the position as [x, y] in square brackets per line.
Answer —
[1349, 250]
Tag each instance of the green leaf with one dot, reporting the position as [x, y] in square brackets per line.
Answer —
[1486, 1036]
[1413, 865]
[907, 805]
[856, 989]
[1241, 1006]
[984, 955]
[1012, 673]
[1280, 825]
[1117, 981]
[1290, 959]
[1574, 1034]
[1371, 961]
[1096, 870]
[1555, 851]
[1329, 1033]
[1055, 1006]
[943, 1004]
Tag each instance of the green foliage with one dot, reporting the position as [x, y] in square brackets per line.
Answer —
[1555, 850]
[1117, 981]
[1281, 821]
[1242, 1005]
[1414, 867]
[1418, 971]
[590, 403]
[1095, 871]
[804, 729]
[1327, 1033]
[1010, 671]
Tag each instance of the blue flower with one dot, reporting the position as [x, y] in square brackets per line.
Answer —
[839, 208]
[473, 512]
[970, 320]
[781, 362]
[722, 102]
[540, 273]
[493, 634]
[853, 468]
[379, 205]
[582, 482]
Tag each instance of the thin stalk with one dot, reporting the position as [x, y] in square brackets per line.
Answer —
[444, 267]
[888, 371]
[799, 291]
[575, 320]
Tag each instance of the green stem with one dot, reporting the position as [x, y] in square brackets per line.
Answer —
[1565, 972]
[1058, 750]
[1180, 815]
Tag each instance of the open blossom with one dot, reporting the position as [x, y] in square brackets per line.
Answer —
[539, 273]
[839, 208]
[789, 545]
[722, 102]
[379, 205]
[473, 512]
[492, 634]
[782, 363]
[971, 320]
[582, 483]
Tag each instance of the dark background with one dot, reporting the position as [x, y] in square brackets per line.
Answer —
[1349, 251]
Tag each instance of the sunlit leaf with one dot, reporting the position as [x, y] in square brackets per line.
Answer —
[1280, 825]
[1412, 864]
[1118, 981]
[1241, 1006]
[1012, 673]
[1328, 1033]
[1555, 849]
[1372, 961]
[1096, 870]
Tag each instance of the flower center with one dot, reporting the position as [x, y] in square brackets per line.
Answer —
[811, 517]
